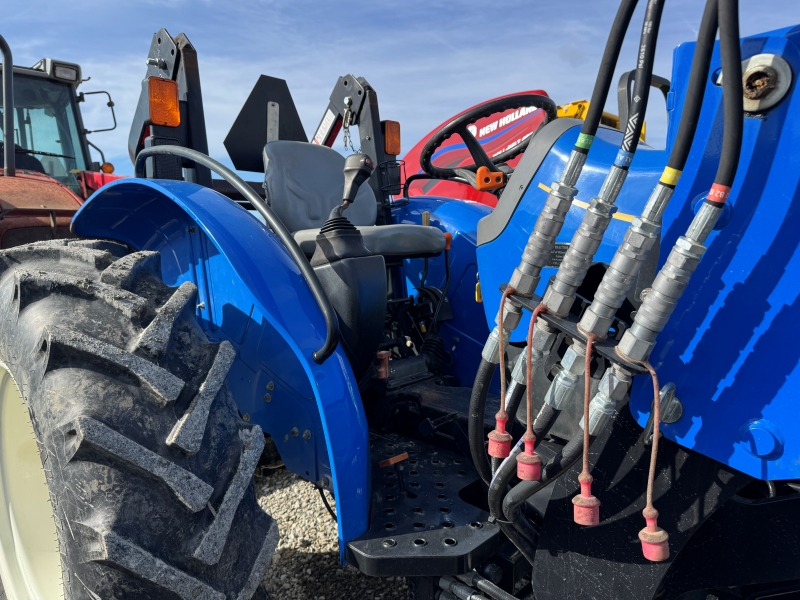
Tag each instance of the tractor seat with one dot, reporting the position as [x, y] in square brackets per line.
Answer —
[305, 182]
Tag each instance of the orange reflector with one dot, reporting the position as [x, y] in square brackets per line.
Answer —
[489, 180]
[448, 239]
[391, 137]
[164, 107]
[107, 168]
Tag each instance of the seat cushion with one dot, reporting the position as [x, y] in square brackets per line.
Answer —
[400, 241]
[304, 182]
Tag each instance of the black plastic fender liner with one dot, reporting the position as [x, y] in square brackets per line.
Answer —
[148, 464]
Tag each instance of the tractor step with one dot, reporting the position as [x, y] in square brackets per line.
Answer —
[422, 521]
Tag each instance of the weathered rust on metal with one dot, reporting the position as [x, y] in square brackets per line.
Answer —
[35, 190]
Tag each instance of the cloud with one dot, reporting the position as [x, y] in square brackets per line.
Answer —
[426, 59]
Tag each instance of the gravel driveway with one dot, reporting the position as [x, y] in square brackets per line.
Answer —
[306, 563]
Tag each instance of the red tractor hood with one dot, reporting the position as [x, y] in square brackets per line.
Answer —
[32, 192]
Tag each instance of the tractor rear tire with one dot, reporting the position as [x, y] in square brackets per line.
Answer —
[148, 464]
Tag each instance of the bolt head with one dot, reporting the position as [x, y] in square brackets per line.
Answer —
[511, 317]
[557, 302]
[543, 340]
[306, 435]
[613, 387]
[573, 362]
[524, 284]
[689, 246]
[565, 191]
[636, 239]
[646, 227]
[593, 323]
[633, 347]
[295, 431]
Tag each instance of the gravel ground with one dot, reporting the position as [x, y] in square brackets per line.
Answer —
[306, 563]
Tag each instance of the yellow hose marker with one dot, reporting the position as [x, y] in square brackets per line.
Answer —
[670, 176]
[478, 293]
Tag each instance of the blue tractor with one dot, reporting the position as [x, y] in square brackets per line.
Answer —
[631, 299]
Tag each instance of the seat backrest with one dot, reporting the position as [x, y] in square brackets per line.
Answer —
[305, 182]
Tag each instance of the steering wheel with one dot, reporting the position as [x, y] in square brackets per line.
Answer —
[459, 126]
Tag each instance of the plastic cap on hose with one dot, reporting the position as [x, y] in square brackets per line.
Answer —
[529, 464]
[500, 440]
[655, 541]
[586, 506]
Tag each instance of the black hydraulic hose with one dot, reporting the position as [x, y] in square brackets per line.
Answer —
[435, 320]
[8, 109]
[512, 406]
[544, 421]
[331, 320]
[555, 468]
[606, 71]
[504, 474]
[732, 92]
[524, 539]
[697, 87]
[475, 430]
[642, 79]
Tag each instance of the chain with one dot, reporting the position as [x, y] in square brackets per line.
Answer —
[348, 140]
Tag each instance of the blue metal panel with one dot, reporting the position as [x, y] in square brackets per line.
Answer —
[252, 294]
[466, 333]
[730, 347]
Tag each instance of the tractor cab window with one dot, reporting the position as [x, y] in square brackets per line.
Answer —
[46, 134]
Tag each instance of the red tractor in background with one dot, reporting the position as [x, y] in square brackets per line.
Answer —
[47, 171]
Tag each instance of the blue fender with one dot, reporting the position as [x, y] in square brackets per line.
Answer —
[252, 294]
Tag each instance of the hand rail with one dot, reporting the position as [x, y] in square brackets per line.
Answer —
[274, 223]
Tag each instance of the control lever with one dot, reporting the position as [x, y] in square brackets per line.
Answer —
[357, 169]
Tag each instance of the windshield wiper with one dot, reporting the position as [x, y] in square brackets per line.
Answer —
[26, 151]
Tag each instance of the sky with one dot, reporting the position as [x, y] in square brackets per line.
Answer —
[427, 59]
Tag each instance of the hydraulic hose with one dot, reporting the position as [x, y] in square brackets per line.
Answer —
[555, 468]
[477, 407]
[632, 253]
[513, 399]
[505, 473]
[732, 96]
[542, 239]
[300, 260]
[499, 483]
[643, 76]
[560, 295]
[607, 65]
[696, 89]
[673, 278]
